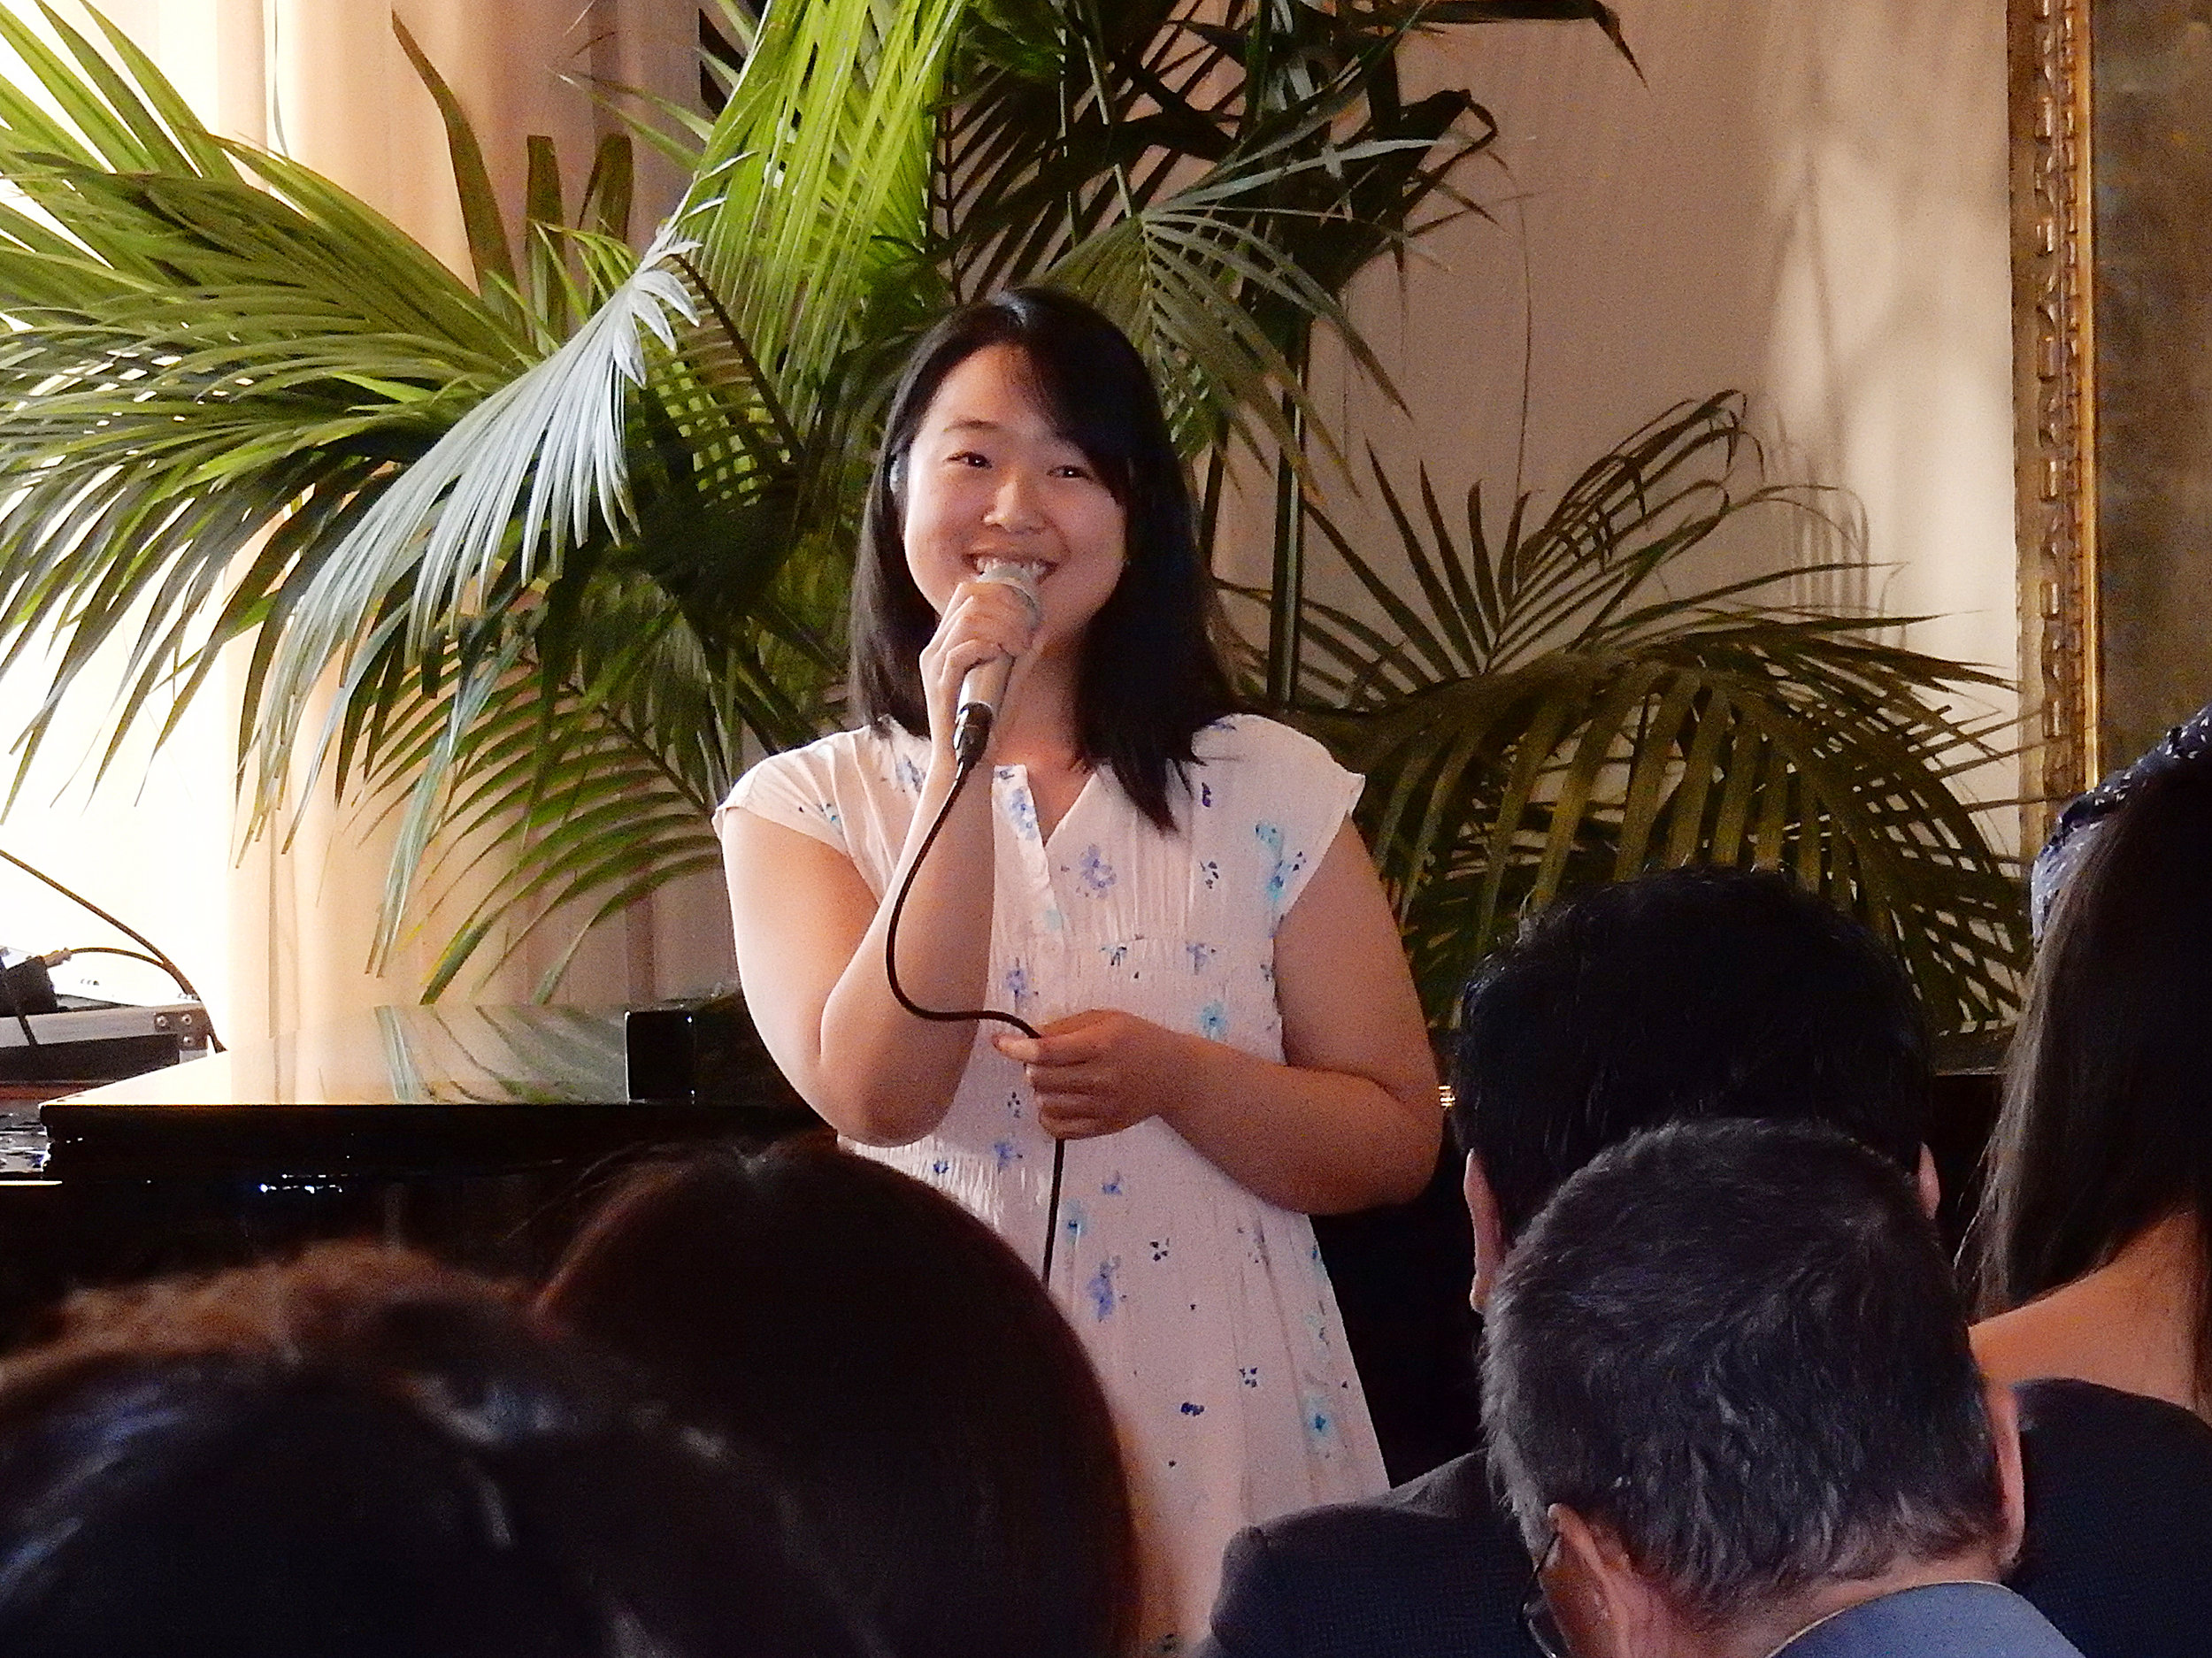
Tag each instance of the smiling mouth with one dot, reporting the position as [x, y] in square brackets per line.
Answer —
[1036, 569]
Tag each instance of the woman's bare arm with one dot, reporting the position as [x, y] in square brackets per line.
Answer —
[809, 953]
[1350, 1120]
[810, 935]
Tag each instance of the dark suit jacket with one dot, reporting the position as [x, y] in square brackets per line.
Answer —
[2119, 1546]
[2118, 1555]
[1432, 1567]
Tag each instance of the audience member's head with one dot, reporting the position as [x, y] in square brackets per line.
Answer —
[1692, 993]
[2107, 1125]
[1729, 1390]
[911, 1381]
[362, 1455]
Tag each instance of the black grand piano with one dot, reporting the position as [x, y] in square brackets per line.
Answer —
[481, 1133]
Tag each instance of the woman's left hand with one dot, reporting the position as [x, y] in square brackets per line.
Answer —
[1101, 1071]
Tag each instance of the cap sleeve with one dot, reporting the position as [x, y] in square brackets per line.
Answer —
[1272, 794]
[794, 791]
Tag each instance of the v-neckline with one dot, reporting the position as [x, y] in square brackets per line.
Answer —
[1046, 837]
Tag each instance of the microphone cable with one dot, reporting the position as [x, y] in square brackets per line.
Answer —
[970, 756]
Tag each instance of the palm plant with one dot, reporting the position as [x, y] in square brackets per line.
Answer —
[1541, 712]
[570, 540]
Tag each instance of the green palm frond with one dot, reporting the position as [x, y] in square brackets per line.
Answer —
[1211, 178]
[538, 467]
[812, 193]
[209, 380]
[791, 216]
[606, 783]
[1537, 712]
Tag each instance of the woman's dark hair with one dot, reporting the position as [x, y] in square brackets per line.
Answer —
[1149, 677]
[908, 1379]
[364, 1454]
[2107, 1124]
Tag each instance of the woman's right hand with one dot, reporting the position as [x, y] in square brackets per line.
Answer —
[985, 620]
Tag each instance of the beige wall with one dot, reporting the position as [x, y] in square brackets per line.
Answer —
[1804, 199]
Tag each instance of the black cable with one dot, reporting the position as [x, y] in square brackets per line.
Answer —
[161, 958]
[966, 769]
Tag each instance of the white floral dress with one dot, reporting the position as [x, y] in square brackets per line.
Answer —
[1206, 1309]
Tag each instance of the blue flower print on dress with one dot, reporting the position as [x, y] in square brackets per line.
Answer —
[1096, 872]
[1320, 1416]
[1200, 954]
[1021, 812]
[909, 774]
[1018, 986]
[1205, 794]
[1213, 1022]
[1074, 1221]
[1192, 1409]
[1113, 1187]
[1210, 873]
[829, 814]
[1248, 1374]
[1100, 1288]
[1286, 865]
[1006, 1152]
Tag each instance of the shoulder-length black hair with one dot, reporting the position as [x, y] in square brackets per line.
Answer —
[1148, 678]
[2107, 1124]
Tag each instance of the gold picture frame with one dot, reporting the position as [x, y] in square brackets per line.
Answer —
[2055, 403]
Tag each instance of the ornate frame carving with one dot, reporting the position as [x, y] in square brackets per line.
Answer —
[2054, 405]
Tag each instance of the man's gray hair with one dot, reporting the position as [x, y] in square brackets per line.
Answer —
[1737, 1347]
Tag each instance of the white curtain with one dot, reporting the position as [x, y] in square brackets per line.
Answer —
[277, 935]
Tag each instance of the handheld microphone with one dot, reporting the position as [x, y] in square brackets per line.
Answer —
[983, 687]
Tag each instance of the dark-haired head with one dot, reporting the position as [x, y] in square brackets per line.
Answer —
[363, 1455]
[2107, 1124]
[913, 1384]
[1690, 993]
[1149, 677]
[1736, 1348]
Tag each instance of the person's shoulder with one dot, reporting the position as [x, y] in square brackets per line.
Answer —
[2119, 1489]
[2066, 1409]
[816, 787]
[1936, 1620]
[1256, 737]
[860, 754]
[1454, 1500]
[1431, 1566]
[1256, 757]
[863, 745]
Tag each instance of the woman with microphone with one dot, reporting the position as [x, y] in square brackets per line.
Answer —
[1168, 892]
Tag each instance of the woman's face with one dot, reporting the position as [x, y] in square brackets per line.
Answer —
[990, 477]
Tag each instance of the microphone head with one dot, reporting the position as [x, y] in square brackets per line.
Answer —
[1020, 574]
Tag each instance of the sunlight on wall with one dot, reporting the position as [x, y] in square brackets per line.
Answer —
[1801, 199]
